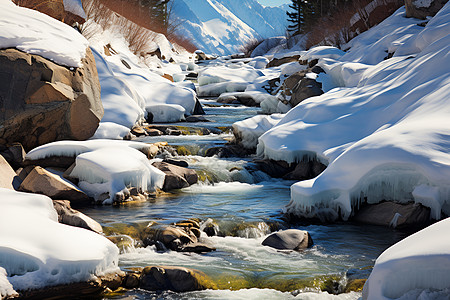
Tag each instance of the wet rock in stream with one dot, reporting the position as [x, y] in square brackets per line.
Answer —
[176, 177]
[290, 239]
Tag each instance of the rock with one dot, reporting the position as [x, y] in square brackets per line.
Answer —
[41, 181]
[291, 239]
[14, 154]
[275, 168]
[69, 216]
[197, 248]
[423, 9]
[229, 151]
[196, 119]
[173, 238]
[153, 132]
[168, 76]
[138, 131]
[305, 170]
[8, 178]
[276, 62]
[176, 162]
[393, 214]
[91, 289]
[176, 177]
[198, 109]
[43, 102]
[51, 162]
[132, 281]
[305, 89]
[236, 98]
[54, 9]
[177, 279]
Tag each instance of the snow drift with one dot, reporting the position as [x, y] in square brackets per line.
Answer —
[386, 137]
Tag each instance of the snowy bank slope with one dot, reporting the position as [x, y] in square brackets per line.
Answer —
[414, 268]
[40, 35]
[387, 138]
[37, 251]
[223, 26]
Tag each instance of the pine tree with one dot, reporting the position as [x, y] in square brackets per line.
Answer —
[295, 17]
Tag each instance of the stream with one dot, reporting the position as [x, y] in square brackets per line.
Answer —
[245, 206]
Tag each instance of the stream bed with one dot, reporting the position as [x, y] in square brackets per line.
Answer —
[244, 206]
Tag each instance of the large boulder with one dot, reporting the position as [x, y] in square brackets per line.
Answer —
[41, 181]
[41, 102]
[54, 9]
[393, 214]
[276, 62]
[291, 239]
[8, 178]
[423, 9]
[69, 216]
[177, 279]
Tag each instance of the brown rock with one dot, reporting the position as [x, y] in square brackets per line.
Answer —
[14, 154]
[168, 76]
[41, 181]
[138, 131]
[132, 281]
[177, 279]
[305, 170]
[393, 214]
[44, 102]
[291, 239]
[8, 178]
[197, 248]
[280, 61]
[69, 216]
[415, 11]
[176, 177]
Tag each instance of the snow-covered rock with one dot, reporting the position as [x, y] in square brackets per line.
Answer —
[249, 130]
[47, 253]
[414, 268]
[387, 138]
[41, 35]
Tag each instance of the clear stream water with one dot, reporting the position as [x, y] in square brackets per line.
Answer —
[245, 206]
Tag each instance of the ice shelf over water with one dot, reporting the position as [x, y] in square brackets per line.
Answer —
[36, 251]
[385, 134]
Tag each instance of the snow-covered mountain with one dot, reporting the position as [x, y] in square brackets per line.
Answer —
[223, 26]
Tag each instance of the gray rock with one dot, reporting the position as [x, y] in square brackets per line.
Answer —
[14, 154]
[69, 216]
[291, 239]
[176, 177]
[414, 10]
[197, 248]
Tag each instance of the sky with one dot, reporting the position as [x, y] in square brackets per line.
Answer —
[273, 2]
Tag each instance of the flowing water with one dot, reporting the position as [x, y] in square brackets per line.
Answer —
[245, 206]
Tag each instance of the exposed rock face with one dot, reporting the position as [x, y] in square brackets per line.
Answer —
[291, 239]
[280, 61]
[69, 216]
[300, 171]
[423, 9]
[299, 87]
[393, 214]
[41, 102]
[14, 154]
[41, 181]
[54, 9]
[8, 178]
[176, 177]
[177, 279]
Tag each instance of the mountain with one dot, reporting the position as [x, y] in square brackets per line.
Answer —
[223, 26]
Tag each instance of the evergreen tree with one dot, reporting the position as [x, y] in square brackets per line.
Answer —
[295, 17]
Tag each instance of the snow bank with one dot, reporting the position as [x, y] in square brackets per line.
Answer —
[381, 140]
[417, 265]
[249, 130]
[110, 171]
[36, 33]
[74, 148]
[216, 74]
[166, 112]
[6, 288]
[36, 251]
[109, 130]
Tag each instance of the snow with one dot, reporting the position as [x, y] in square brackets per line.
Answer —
[422, 3]
[249, 130]
[74, 148]
[6, 288]
[112, 170]
[223, 26]
[417, 265]
[75, 7]
[36, 33]
[384, 134]
[45, 252]
[109, 130]
[163, 113]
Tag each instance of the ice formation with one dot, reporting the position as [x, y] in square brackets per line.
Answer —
[36, 251]
[385, 134]
[111, 171]
[40, 35]
[417, 265]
